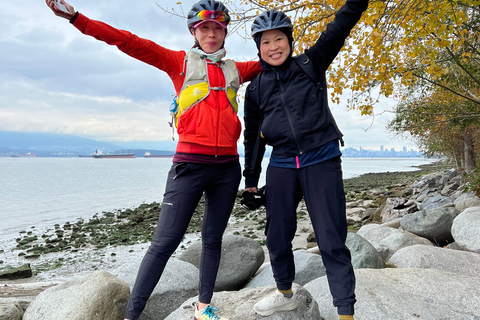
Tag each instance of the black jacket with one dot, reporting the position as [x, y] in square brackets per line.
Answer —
[291, 109]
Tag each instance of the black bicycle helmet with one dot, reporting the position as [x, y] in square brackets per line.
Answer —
[210, 5]
[269, 20]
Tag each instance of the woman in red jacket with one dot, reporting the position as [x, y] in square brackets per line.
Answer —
[206, 160]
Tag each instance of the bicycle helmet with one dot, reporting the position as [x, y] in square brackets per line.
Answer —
[208, 10]
[269, 20]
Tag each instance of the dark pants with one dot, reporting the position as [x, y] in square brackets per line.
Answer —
[322, 187]
[185, 185]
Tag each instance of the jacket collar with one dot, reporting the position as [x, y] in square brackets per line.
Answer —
[214, 57]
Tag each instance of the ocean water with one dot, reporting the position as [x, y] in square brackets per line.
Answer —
[39, 192]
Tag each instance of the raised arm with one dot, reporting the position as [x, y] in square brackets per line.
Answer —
[333, 38]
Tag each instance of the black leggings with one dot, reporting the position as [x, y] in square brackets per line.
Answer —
[186, 184]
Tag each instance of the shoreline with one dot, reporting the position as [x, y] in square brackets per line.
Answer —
[107, 241]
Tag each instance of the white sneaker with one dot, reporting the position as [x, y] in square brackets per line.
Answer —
[275, 302]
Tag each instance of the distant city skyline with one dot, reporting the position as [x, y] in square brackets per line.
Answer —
[383, 152]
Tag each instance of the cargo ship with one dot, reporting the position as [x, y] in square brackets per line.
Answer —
[16, 155]
[148, 155]
[100, 154]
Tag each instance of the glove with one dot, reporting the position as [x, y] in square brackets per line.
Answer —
[253, 200]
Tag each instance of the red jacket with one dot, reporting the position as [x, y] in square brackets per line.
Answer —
[211, 127]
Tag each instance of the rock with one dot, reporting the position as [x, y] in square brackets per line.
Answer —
[97, 296]
[434, 224]
[452, 186]
[241, 258]
[430, 181]
[304, 272]
[466, 200]
[465, 229]
[399, 294]
[364, 255]
[434, 201]
[395, 208]
[179, 282]
[238, 305]
[15, 297]
[354, 215]
[429, 257]
[11, 309]
[395, 224]
[21, 272]
[387, 240]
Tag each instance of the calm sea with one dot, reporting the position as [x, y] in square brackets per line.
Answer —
[43, 191]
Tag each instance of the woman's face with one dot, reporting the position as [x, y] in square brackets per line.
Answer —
[274, 47]
[210, 35]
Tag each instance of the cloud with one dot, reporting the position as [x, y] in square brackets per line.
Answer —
[55, 79]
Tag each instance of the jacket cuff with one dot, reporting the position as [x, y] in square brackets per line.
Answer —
[251, 182]
[74, 18]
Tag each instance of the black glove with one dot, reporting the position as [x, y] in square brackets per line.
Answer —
[253, 200]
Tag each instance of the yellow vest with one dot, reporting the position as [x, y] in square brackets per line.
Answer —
[196, 86]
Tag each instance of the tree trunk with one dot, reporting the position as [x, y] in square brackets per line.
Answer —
[469, 153]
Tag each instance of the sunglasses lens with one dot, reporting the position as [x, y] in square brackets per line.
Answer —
[212, 15]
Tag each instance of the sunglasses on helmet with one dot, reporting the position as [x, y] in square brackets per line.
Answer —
[212, 15]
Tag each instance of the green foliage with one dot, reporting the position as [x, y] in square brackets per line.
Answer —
[472, 182]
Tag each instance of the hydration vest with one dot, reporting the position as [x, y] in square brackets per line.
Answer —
[196, 86]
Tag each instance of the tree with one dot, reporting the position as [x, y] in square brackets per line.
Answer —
[397, 44]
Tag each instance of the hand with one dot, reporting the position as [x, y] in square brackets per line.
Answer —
[253, 200]
[60, 13]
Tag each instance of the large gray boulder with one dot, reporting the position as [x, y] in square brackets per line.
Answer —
[241, 258]
[238, 305]
[429, 257]
[399, 294]
[466, 200]
[98, 296]
[179, 282]
[364, 254]
[434, 201]
[465, 229]
[434, 224]
[388, 240]
[308, 266]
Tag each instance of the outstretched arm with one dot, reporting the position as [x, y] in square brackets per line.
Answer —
[66, 15]
[144, 50]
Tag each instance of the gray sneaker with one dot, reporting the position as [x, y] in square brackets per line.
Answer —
[275, 302]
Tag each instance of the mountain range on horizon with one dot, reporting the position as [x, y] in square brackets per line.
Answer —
[52, 144]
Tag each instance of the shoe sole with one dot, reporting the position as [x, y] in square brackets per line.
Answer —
[284, 308]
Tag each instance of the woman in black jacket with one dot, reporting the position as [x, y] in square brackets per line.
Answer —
[286, 106]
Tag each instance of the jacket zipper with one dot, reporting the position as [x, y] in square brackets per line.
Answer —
[218, 70]
[290, 121]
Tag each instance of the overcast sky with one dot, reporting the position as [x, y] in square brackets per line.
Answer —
[55, 79]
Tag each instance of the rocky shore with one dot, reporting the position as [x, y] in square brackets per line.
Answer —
[378, 205]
